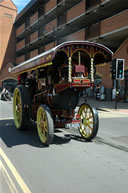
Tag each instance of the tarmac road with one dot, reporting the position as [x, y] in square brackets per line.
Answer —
[69, 165]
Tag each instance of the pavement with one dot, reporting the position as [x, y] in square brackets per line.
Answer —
[107, 106]
[115, 136]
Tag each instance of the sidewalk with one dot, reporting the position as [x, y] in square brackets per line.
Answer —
[117, 135]
[106, 105]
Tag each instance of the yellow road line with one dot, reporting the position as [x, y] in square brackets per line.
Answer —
[9, 181]
[18, 178]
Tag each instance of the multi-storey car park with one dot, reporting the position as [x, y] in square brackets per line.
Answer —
[42, 25]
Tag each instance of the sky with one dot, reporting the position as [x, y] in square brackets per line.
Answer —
[20, 4]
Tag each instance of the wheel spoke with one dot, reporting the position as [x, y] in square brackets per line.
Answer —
[87, 121]
[90, 117]
[43, 119]
[21, 115]
[90, 127]
[42, 125]
[17, 107]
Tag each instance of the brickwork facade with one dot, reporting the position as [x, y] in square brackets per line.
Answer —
[50, 5]
[8, 12]
[116, 22]
[20, 29]
[73, 12]
[80, 35]
[33, 18]
[51, 22]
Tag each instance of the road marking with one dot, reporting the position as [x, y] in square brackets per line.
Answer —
[9, 181]
[4, 119]
[111, 115]
[18, 178]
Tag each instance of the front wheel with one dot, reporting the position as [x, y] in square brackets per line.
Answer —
[45, 126]
[89, 121]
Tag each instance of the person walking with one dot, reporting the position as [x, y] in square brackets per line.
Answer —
[102, 96]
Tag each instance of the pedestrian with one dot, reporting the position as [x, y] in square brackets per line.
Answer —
[102, 96]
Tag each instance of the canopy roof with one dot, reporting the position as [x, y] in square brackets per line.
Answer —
[47, 57]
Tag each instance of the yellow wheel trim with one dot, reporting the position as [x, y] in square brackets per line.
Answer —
[42, 124]
[87, 121]
[17, 108]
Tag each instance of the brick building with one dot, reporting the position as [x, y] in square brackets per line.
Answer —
[43, 24]
[8, 12]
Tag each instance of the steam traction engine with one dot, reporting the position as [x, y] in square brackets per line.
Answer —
[49, 86]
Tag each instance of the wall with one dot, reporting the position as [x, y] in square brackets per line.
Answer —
[20, 29]
[50, 5]
[115, 22]
[122, 53]
[80, 35]
[8, 12]
[76, 11]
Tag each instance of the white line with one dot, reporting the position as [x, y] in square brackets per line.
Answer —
[18, 178]
[9, 118]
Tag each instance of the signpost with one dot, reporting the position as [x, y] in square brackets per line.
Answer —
[117, 70]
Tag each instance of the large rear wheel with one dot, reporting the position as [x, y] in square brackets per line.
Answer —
[45, 126]
[21, 107]
[89, 121]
